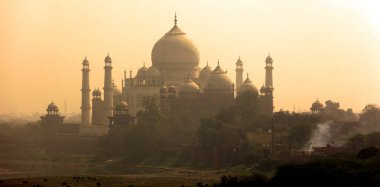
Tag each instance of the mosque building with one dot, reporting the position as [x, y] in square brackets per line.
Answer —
[174, 79]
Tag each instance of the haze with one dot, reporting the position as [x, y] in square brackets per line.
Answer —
[321, 49]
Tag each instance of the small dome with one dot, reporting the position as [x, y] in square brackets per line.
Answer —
[218, 80]
[317, 105]
[205, 72]
[141, 73]
[122, 105]
[270, 88]
[85, 61]
[163, 88]
[96, 92]
[116, 90]
[239, 62]
[269, 59]
[262, 89]
[247, 86]
[153, 72]
[52, 107]
[108, 58]
[172, 88]
[188, 87]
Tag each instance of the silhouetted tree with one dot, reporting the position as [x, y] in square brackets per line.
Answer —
[228, 140]
[151, 113]
[300, 134]
[361, 141]
[369, 152]
[246, 108]
[370, 117]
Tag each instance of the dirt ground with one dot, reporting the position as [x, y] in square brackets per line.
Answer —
[46, 173]
[162, 179]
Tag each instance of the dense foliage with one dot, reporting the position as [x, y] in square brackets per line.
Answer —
[323, 172]
[236, 136]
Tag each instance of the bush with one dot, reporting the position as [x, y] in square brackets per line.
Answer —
[369, 152]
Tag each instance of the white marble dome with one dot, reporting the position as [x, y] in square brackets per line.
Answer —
[122, 105]
[188, 87]
[247, 86]
[175, 48]
[218, 80]
[116, 91]
[152, 72]
[205, 72]
[175, 56]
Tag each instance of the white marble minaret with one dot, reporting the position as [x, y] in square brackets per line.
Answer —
[268, 72]
[86, 107]
[108, 91]
[239, 73]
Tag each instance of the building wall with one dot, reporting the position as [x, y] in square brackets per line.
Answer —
[97, 112]
[72, 143]
[266, 105]
[204, 105]
[135, 94]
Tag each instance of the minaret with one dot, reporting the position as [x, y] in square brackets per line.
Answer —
[86, 107]
[267, 104]
[108, 91]
[239, 73]
[268, 73]
[175, 18]
[97, 108]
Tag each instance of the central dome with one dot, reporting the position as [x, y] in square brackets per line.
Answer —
[176, 56]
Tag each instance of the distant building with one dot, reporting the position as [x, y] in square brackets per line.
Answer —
[121, 116]
[331, 111]
[175, 80]
[52, 121]
[317, 107]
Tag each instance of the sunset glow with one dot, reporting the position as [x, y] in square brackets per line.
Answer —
[321, 49]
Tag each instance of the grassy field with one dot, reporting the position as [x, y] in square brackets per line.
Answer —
[31, 168]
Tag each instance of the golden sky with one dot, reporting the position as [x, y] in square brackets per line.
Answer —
[321, 49]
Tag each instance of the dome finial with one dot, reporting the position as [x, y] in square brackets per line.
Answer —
[207, 63]
[175, 18]
[218, 62]
[85, 61]
[108, 58]
[247, 75]
[269, 53]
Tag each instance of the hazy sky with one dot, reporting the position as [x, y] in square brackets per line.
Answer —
[321, 49]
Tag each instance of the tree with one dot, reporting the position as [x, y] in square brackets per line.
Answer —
[369, 152]
[247, 108]
[361, 141]
[370, 117]
[300, 134]
[151, 113]
[356, 142]
[245, 111]
[228, 140]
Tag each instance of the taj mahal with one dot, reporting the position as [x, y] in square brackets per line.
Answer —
[174, 79]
